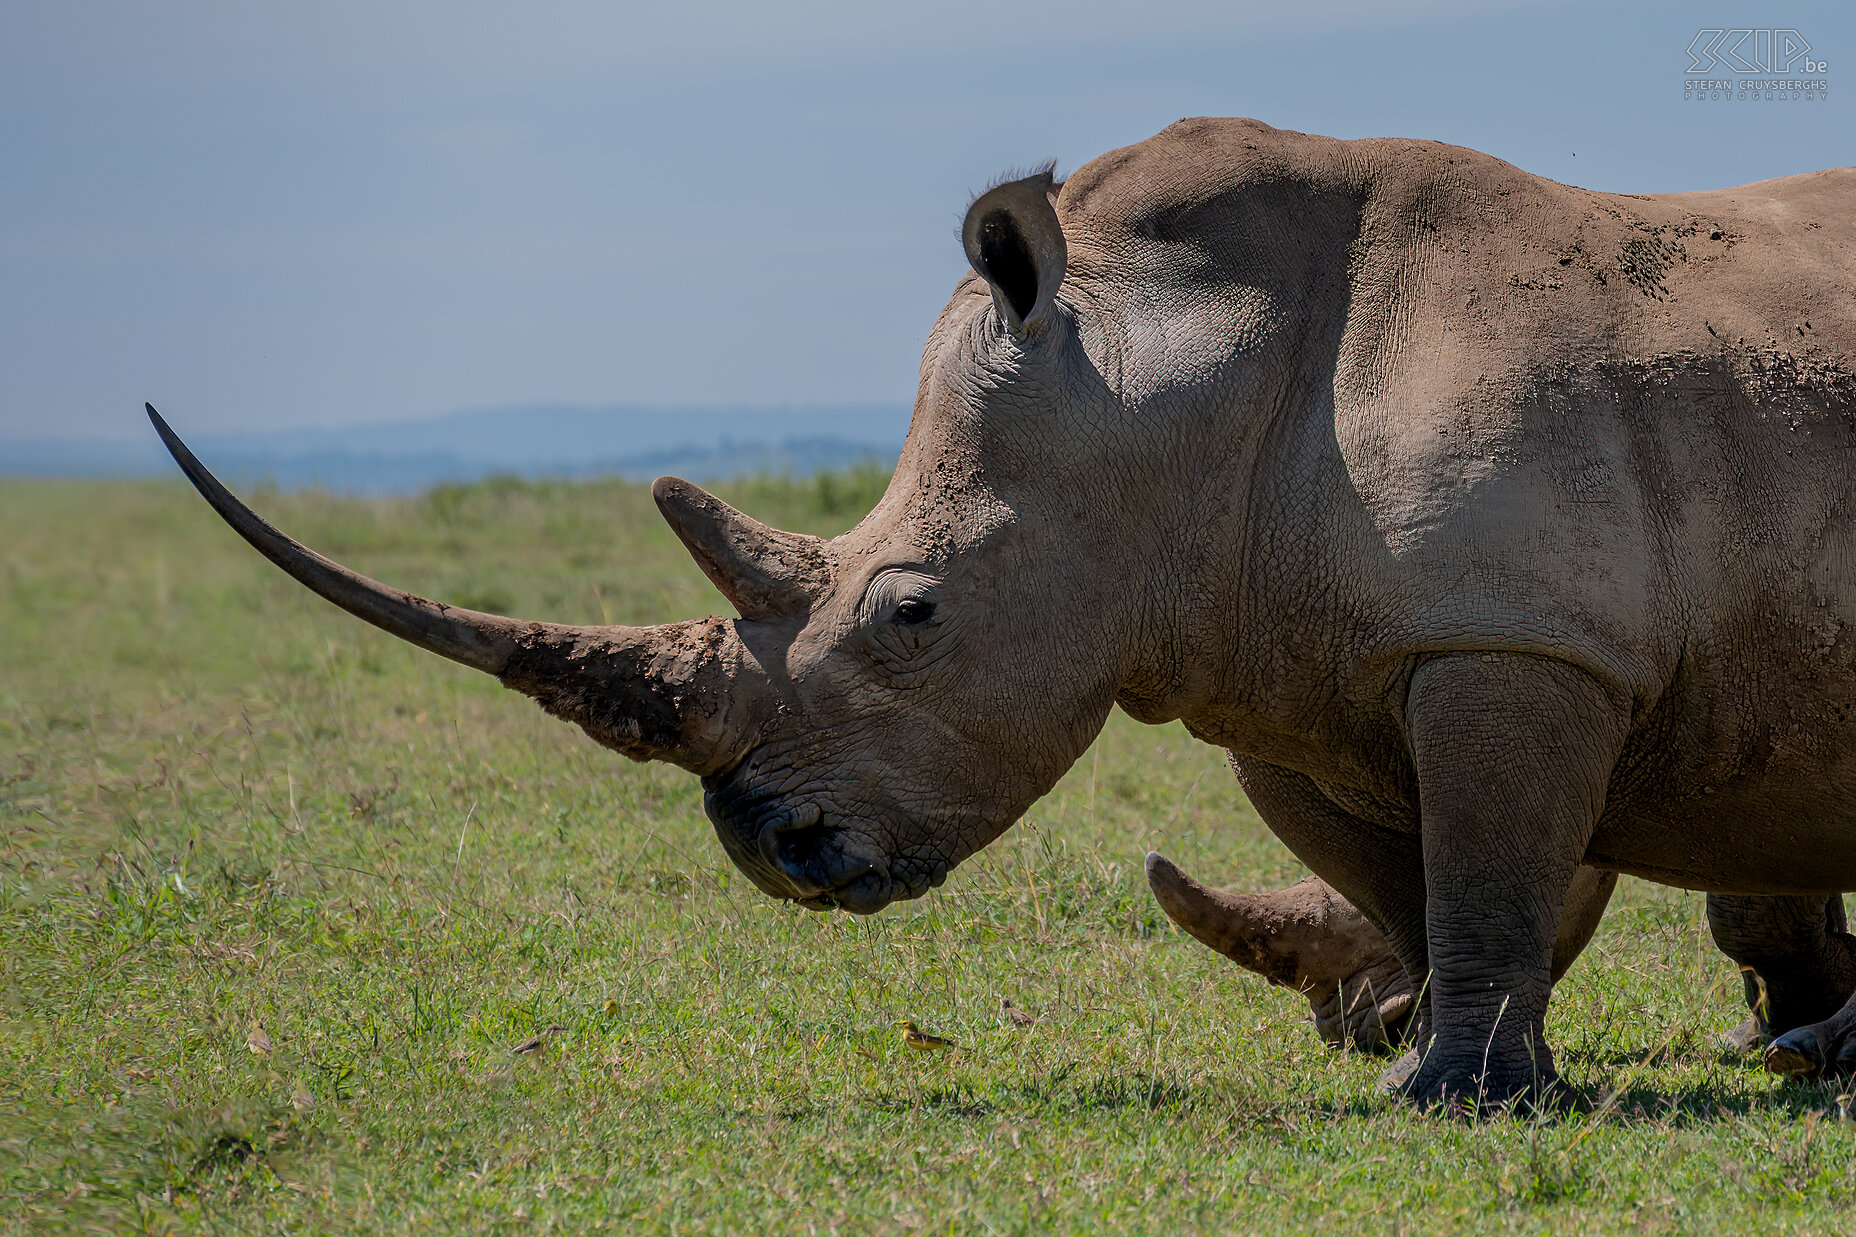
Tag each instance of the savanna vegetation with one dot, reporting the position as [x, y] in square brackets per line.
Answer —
[279, 896]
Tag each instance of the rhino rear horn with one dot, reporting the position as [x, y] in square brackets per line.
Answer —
[1015, 244]
[766, 574]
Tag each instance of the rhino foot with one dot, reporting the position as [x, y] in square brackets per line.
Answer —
[1798, 964]
[1822, 1050]
[1817, 1049]
[1482, 1085]
[1478, 1085]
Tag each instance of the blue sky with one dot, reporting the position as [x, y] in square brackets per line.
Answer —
[269, 215]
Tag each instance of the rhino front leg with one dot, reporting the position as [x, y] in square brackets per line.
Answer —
[1310, 938]
[1512, 755]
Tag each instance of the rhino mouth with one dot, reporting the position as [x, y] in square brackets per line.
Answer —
[792, 849]
[825, 874]
[864, 895]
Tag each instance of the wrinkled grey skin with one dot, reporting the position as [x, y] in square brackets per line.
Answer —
[1796, 955]
[1406, 477]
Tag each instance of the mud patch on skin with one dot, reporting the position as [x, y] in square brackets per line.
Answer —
[1643, 262]
[658, 693]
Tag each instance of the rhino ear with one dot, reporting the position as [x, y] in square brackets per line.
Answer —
[1015, 244]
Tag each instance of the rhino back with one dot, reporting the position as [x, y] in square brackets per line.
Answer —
[1618, 430]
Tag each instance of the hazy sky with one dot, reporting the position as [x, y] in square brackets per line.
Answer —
[267, 214]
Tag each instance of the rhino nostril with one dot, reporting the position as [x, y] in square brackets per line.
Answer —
[784, 843]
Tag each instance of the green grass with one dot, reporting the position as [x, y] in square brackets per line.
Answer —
[226, 806]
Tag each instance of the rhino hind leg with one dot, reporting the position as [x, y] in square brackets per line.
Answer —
[1826, 1048]
[1799, 964]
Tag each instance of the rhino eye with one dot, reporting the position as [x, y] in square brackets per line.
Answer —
[914, 610]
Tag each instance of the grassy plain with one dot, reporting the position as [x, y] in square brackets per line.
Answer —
[278, 895]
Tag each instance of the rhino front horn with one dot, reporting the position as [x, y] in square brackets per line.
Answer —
[766, 574]
[653, 693]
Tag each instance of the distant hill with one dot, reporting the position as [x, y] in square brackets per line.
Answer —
[532, 440]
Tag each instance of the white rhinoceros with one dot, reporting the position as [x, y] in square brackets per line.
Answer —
[1493, 525]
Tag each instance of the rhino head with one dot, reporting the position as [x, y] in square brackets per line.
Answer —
[892, 699]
